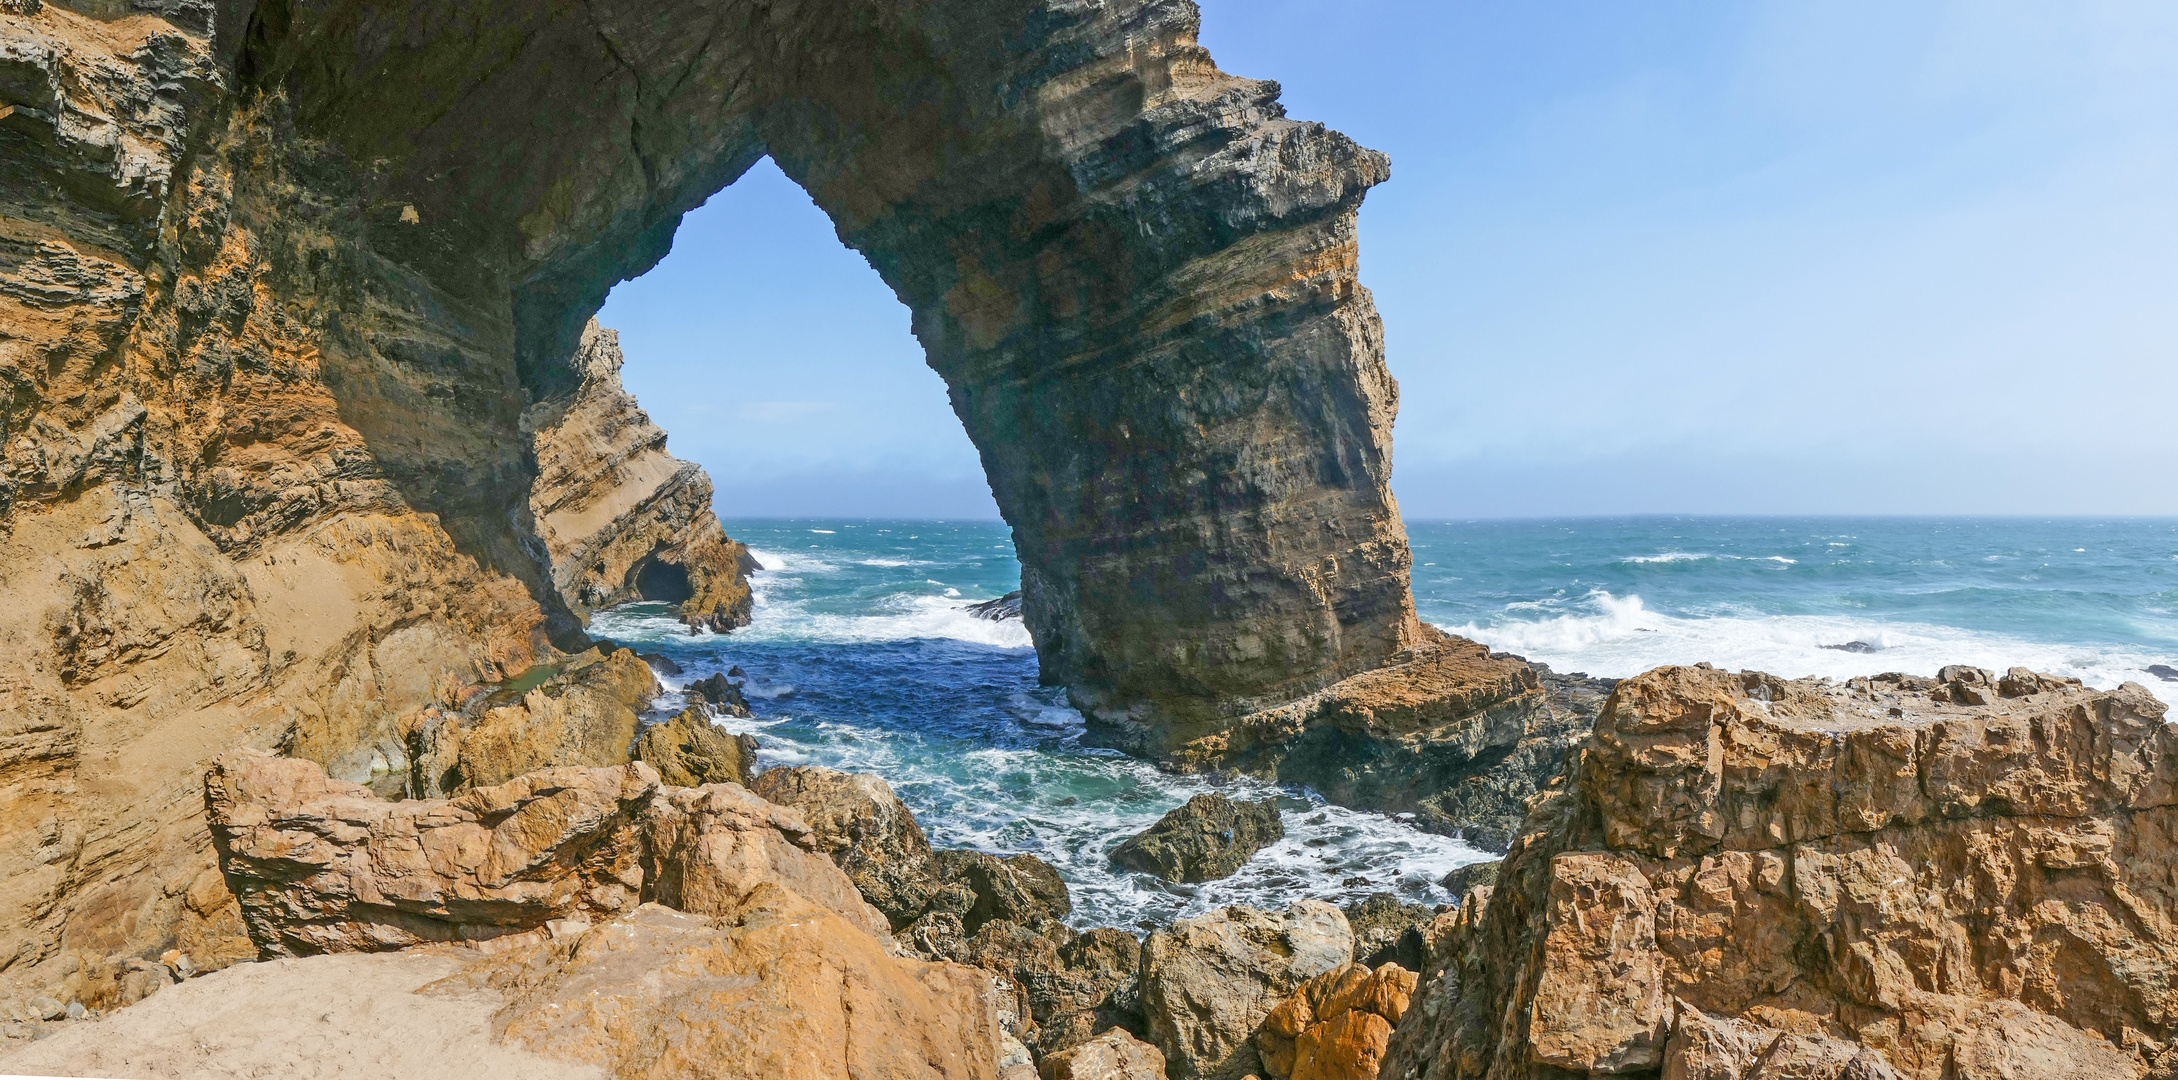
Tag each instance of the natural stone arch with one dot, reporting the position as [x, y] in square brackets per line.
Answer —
[1136, 276]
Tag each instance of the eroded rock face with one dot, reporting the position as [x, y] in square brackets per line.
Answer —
[1954, 877]
[1114, 1055]
[277, 293]
[1449, 732]
[689, 751]
[1209, 982]
[619, 518]
[584, 712]
[1337, 1025]
[323, 865]
[1207, 838]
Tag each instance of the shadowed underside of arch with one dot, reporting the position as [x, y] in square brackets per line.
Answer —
[287, 286]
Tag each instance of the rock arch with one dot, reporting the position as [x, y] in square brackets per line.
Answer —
[285, 286]
[1135, 274]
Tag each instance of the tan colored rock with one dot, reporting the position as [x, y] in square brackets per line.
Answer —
[585, 713]
[857, 820]
[1927, 878]
[1209, 982]
[1113, 1055]
[1336, 1025]
[783, 990]
[323, 865]
[620, 518]
[690, 751]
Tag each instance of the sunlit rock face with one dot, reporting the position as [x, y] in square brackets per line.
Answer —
[279, 282]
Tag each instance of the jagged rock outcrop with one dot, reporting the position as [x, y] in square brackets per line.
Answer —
[1209, 982]
[1390, 931]
[1206, 838]
[1114, 1055]
[1456, 735]
[688, 751]
[618, 517]
[583, 710]
[1337, 1025]
[323, 865]
[1955, 878]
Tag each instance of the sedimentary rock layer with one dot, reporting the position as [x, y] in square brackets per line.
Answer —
[279, 282]
[620, 519]
[1957, 878]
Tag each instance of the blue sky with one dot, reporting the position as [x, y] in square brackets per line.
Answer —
[1662, 257]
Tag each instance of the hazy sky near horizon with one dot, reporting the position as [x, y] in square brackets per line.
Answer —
[1673, 257]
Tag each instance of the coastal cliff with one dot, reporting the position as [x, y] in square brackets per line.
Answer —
[287, 350]
[1958, 878]
[620, 519]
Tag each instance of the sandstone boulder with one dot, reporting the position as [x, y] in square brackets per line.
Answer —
[1337, 1025]
[1932, 878]
[858, 821]
[1208, 838]
[324, 866]
[583, 710]
[689, 751]
[1208, 982]
[1114, 1055]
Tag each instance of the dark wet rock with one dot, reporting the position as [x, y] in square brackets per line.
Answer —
[999, 610]
[1471, 876]
[857, 820]
[689, 751]
[1389, 931]
[660, 663]
[1208, 838]
[1457, 736]
[721, 693]
[1855, 647]
[1017, 888]
[2165, 672]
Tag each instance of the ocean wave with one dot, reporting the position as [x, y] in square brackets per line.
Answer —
[899, 617]
[1703, 556]
[1618, 636]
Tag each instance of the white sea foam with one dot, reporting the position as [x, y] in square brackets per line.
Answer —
[1618, 636]
[901, 617]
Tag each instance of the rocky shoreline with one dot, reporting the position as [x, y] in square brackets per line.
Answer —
[1733, 876]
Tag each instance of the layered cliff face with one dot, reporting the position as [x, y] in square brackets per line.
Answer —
[280, 281]
[1962, 878]
[621, 519]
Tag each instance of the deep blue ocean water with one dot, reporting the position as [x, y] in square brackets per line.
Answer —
[861, 658]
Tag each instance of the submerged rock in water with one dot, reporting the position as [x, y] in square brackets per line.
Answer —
[1209, 837]
[1898, 855]
[689, 751]
[722, 692]
[1855, 647]
[1208, 982]
[2165, 672]
[999, 610]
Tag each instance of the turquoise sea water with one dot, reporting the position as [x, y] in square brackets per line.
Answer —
[861, 658]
